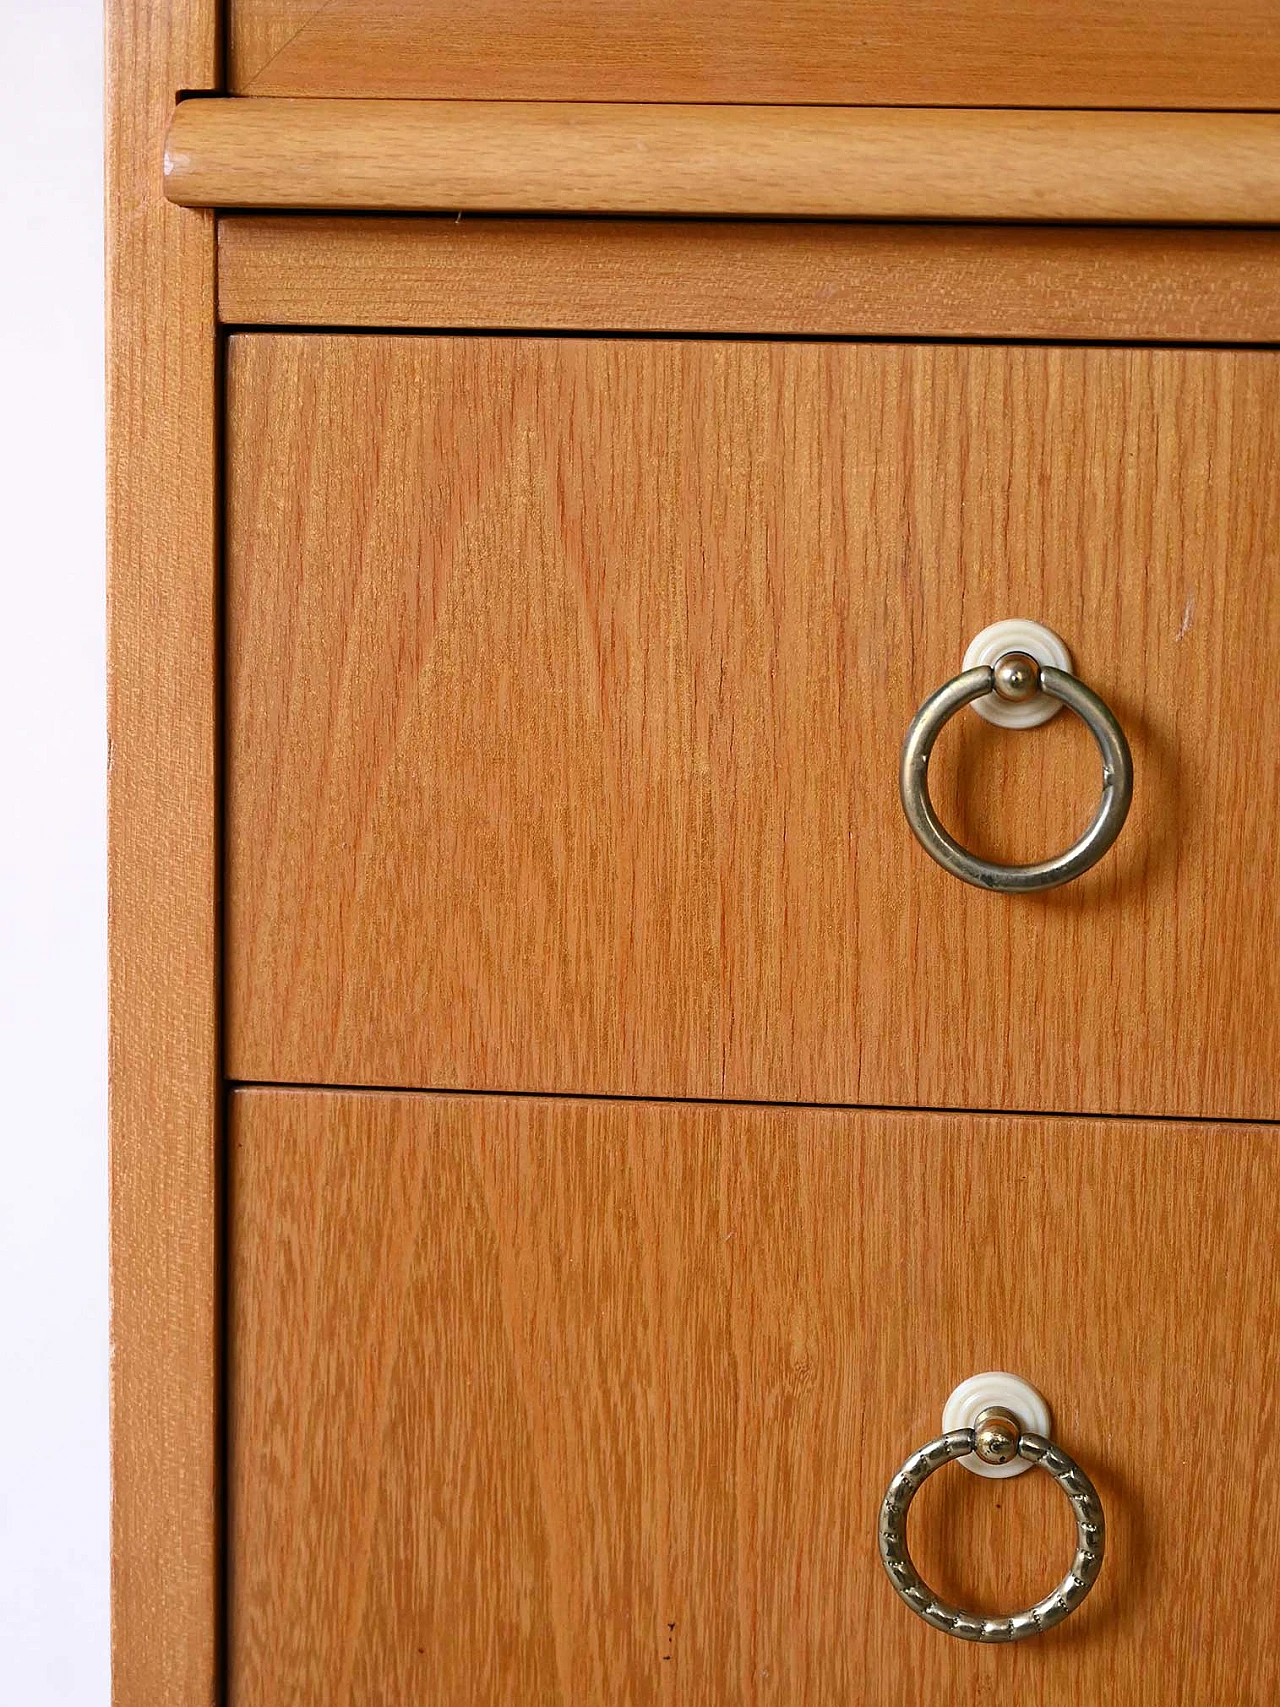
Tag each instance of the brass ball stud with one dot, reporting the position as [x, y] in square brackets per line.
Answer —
[1017, 676]
[995, 1436]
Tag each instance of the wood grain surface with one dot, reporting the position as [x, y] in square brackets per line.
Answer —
[582, 1402]
[162, 679]
[1025, 53]
[567, 680]
[922, 281]
[829, 162]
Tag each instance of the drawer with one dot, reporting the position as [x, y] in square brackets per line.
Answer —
[537, 1402]
[1039, 53]
[567, 678]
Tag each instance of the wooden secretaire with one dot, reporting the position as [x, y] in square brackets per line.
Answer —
[695, 938]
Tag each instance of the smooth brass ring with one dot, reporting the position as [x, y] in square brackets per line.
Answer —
[1108, 821]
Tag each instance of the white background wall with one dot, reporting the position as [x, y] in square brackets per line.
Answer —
[53, 1154]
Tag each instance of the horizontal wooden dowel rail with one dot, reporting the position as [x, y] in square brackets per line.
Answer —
[816, 162]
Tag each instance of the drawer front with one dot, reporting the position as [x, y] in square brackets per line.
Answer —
[566, 685]
[1038, 53]
[582, 1402]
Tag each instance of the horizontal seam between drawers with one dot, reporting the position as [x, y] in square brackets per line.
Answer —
[299, 329]
[492, 1095]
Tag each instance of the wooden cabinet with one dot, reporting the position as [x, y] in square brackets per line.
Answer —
[558, 1401]
[566, 684]
[568, 1137]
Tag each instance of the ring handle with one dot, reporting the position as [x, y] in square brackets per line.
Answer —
[1016, 676]
[996, 1433]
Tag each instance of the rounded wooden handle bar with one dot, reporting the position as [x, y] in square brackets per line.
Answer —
[631, 158]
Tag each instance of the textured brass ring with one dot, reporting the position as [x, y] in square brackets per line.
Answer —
[971, 1626]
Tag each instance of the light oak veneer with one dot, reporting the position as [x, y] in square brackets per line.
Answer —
[566, 684]
[966, 281]
[568, 1402]
[162, 709]
[1020, 53]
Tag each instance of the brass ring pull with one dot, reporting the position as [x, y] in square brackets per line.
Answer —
[996, 1437]
[1016, 676]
